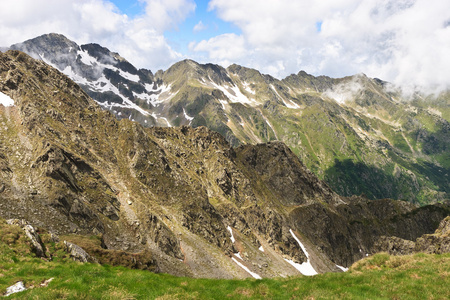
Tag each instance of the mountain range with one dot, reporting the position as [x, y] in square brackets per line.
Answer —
[358, 134]
[181, 200]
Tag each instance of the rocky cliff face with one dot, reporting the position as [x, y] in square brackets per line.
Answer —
[356, 133]
[437, 243]
[199, 206]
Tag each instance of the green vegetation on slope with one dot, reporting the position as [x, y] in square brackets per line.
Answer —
[381, 276]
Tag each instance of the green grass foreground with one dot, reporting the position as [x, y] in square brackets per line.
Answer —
[419, 276]
[379, 277]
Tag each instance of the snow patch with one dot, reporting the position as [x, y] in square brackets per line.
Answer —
[159, 95]
[254, 275]
[87, 59]
[232, 236]
[247, 88]
[143, 96]
[74, 76]
[168, 124]
[300, 243]
[223, 102]
[344, 269]
[150, 87]
[129, 76]
[41, 56]
[305, 268]
[92, 61]
[188, 118]
[238, 254]
[129, 105]
[104, 85]
[234, 94]
[6, 100]
[289, 104]
[270, 125]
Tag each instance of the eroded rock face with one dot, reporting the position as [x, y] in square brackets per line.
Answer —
[437, 243]
[278, 167]
[361, 223]
[394, 245]
[172, 193]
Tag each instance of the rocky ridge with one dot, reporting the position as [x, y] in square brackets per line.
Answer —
[359, 134]
[184, 195]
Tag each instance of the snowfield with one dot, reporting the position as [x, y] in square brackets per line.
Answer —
[231, 232]
[5, 100]
[254, 275]
[305, 268]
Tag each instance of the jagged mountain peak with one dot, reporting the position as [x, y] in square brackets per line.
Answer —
[249, 75]
[53, 48]
[104, 75]
[307, 81]
[188, 70]
[47, 41]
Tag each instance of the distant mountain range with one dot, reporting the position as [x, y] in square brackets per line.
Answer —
[356, 133]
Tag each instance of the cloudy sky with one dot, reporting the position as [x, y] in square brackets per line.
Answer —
[402, 41]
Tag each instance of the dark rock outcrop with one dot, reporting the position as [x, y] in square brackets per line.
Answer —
[438, 242]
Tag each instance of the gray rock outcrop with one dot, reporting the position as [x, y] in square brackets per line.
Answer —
[38, 246]
[78, 254]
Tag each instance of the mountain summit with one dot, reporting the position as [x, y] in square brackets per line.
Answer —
[356, 133]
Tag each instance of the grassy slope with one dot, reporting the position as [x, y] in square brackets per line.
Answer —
[381, 276]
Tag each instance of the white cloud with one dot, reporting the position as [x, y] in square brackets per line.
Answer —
[165, 14]
[199, 27]
[139, 39]
[222, 49]
[346, 90]
[402, 41]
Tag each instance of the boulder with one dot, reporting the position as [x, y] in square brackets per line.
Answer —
[18, 287]
[78, 254]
